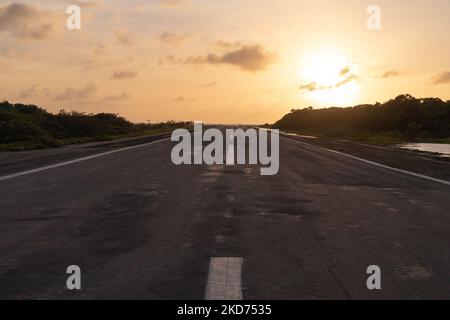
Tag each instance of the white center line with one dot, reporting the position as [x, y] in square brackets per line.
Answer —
[23, 173]
[224, 279]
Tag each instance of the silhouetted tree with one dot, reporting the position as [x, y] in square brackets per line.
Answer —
[29, 123]
[404, 115]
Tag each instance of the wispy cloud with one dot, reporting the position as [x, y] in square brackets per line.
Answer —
[173, 3]
[178, 99]
[29, 92]
[85, 3]
[167, 37]
[125, 38]
[182, 99]
[209, 84]
[120, 75]
[441, 78]
[390, 74]
[346, 75]
[118, 97]
[26, 21]
[77, 94]
[252, 58]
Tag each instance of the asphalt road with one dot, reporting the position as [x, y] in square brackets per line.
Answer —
[140, 227]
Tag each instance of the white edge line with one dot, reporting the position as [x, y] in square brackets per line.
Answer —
[23, 173]
[417, 175]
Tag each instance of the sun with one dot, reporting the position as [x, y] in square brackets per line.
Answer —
[329, 78]
[323, 68]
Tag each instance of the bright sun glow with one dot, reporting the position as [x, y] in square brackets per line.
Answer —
[329, 79]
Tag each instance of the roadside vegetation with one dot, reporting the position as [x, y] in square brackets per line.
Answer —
[403, 119]
[28, 127]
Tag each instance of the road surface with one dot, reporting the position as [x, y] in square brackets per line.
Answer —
[140, 227]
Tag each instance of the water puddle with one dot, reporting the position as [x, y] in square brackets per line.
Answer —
[441, 149]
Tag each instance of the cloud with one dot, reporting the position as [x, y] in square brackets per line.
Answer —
[225, 45]
[34, 91]
[173, 3]
[119, 97]
[84, 3]
[46, 92]
[28, 92]
[171, 59]
[346, 77]
[250, 58]
[125, 38]
[390, 74]
[344, 71]
[441, 78]
[313, 86]
[26, 21]
[100, 49]
[182, 99]
[77, 94]
[120, 75]
[209, 84]
[172, 38]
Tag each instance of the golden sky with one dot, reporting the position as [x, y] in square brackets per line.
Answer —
[230, 61]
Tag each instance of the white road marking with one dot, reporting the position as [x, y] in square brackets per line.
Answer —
[391, 168]
[417, 175]
[301, 136]
[23, 173]
[224, 279]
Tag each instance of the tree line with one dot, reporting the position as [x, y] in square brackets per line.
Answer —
[405, 116]
[29, 127]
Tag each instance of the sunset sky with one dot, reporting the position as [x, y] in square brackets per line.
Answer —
[217, 61]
